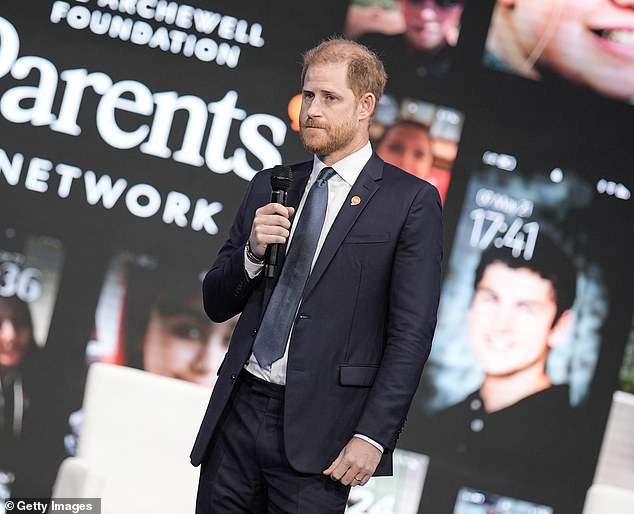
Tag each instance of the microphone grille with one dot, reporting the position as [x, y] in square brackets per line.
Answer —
[281, 178]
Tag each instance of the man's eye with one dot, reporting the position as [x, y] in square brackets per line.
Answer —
[528, 308]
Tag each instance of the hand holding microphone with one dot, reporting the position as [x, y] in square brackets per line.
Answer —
[271, 225]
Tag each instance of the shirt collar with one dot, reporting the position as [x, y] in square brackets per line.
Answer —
[347, 168]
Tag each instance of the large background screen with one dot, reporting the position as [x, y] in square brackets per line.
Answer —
[131, 128]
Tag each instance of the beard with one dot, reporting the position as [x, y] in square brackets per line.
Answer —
[327, 139]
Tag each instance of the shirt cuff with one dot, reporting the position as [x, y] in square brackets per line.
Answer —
[371, 441]
[252, 269]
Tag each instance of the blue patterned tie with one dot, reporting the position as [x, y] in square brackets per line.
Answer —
[278, 319]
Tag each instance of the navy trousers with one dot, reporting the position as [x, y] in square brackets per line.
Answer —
[246, 469]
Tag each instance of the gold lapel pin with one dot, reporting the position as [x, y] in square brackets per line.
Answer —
[355, 200]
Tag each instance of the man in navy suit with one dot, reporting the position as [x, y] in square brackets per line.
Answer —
[294, 434]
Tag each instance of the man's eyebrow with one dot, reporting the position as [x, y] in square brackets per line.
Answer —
[532, 302]
[322, 91]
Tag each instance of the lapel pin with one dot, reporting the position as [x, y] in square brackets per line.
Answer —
[355, 200]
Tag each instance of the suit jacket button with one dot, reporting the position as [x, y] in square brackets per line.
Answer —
[255, 331]
[233, 377]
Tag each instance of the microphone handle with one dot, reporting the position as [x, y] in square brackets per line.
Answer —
[275, 252]
[279, 197]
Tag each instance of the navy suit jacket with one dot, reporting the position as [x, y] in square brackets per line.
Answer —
[364, 328]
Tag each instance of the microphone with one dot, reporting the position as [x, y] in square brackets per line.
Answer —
[281, 179]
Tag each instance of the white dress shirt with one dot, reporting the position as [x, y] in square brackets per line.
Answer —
[339, 186]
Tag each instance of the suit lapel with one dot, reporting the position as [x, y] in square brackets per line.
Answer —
[365, 186]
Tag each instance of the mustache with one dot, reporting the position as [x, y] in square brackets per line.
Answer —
[313, 124]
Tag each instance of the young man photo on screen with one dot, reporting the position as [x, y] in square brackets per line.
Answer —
[515, 435]
[316, 384]
[520, 311]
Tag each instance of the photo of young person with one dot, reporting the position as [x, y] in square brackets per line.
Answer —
[502, 410]
[519, 312]
[29, 275]
[19, 360]
[586, 42]
[150, 316]
[180, 342]
[512, 329]
[419, 137]
[424, 49]
[382, 16]
[18, 356]
[407, 144]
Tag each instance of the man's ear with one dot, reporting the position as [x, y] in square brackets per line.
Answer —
[509, 4]
[561, 329]
[367, 104]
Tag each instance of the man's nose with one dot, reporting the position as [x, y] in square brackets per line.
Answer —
[313, 109]
[502, 319]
